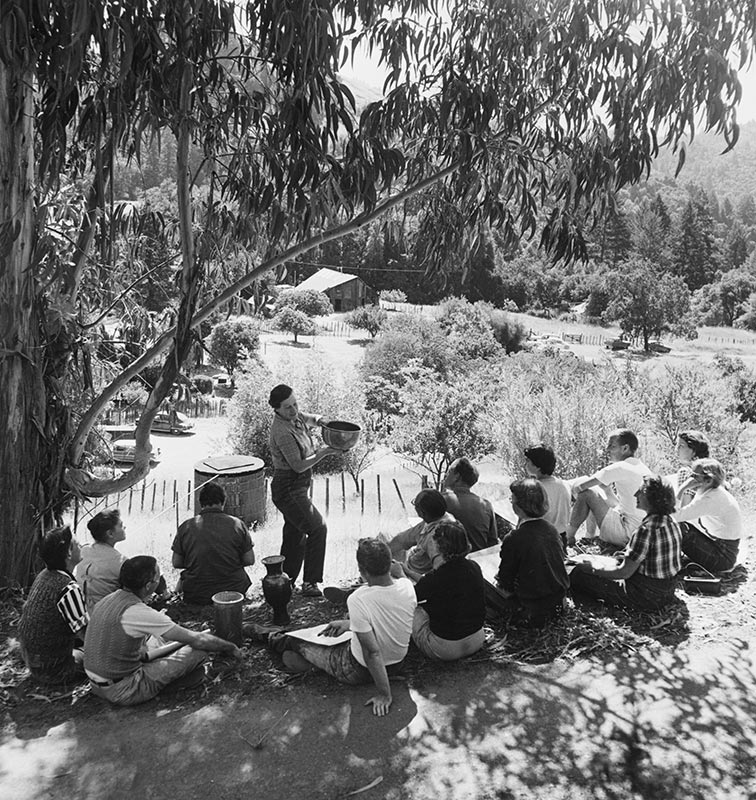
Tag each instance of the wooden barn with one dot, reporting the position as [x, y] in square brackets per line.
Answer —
[344, 291]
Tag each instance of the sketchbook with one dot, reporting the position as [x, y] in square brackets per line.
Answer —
[313, 635]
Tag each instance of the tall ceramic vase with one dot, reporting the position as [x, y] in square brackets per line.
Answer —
[277, 589]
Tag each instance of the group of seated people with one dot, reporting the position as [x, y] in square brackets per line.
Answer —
[420, 585]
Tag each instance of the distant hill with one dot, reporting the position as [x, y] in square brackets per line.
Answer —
[731, 175]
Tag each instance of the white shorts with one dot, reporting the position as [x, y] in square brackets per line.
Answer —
[616, 528]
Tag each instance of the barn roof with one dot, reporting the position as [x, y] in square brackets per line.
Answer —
[325, 279]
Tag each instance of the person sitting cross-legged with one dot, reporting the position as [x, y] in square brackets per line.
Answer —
[380, 621]
[212, 550]
[115, 648]
[451, 609]
[100, 565]
[475, 514]
[532, 577]
[646, 576]
[54, 614]
[609, 494]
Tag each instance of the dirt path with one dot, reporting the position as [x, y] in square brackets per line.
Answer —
[671, 725]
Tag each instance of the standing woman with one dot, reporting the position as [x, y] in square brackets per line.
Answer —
[294, 455]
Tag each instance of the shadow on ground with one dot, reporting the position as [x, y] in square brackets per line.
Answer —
[651, 724]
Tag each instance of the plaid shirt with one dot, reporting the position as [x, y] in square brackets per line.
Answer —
[290, 440]
[656, 546]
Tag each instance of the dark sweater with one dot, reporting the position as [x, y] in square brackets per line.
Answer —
[454, 598]
[108, 650]
[532, 565]
[43, 630]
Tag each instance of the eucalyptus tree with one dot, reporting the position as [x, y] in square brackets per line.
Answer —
[522, 115]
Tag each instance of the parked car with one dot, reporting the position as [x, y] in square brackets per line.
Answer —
[617, 344]
[171, 422]
[124, 452]
[658, 347]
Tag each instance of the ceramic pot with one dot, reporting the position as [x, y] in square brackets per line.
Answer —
[277, 589]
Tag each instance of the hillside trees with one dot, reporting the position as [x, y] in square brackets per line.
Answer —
[233, 341]
[502, 106]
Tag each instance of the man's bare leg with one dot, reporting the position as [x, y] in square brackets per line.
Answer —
[591, 501]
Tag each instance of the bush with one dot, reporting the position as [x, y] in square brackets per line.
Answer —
[392, 296]
[367, 318]
[232, 341]
[309, 301]
[468, 328]
[249, 415]
[510, 334]
[293, 321]
[203, 384]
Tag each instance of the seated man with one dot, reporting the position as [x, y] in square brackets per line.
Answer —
[380, 619]
[614, 508]
[532, 576]
[410, 548]
[115, 655]
[54, 613]
[540, 463]
[646, 576]
[474, 513]
[212, 550]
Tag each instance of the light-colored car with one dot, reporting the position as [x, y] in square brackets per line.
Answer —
[124, 452]
[171, 422]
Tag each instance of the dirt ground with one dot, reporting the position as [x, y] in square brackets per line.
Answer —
[605, 706]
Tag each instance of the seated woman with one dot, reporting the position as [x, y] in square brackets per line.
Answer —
[532, 577]
[691, 445]
[448, 622]
[711, 523]
[100, 565]
[646, 576]
[54, 614]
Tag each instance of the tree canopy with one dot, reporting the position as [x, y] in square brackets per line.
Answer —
[520, 115]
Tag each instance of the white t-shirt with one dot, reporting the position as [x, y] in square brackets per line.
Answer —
[626, 477]
[560, 503]
[388, 612]
[714, 511]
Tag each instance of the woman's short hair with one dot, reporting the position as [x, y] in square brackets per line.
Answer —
[430, 503]
[137, 572]
[529, 496]
[451, 539]
[101, 524]
[278, 394]
[660, 495]
[212, 494]
[54, 546]
[711, 469]
[373, 557]
[542, 457]
[696, 441]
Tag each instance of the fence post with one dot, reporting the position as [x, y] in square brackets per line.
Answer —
[309, 491]
[163, 500]
[176, 503]
[378, 488]
[154, 490]
[144, 488]
[131, 496]
[401, 499]
[343, 492]
[362, 496]
[328, 496]
[188, 495]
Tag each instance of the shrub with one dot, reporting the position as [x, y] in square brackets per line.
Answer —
[249, 415]
[293, 321]
[309, 301]
[203, 384]
[468, 328]
[368, 318]
[232, 341]
[509, 333]
[392, 296]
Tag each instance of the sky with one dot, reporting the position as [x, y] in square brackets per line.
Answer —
[367, 71]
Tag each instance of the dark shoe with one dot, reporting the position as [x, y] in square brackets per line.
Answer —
[259, 633]
[335, 595]
[310, 590]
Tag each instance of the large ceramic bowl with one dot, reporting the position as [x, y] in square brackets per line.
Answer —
[341, 435]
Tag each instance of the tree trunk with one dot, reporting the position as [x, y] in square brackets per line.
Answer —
[23, 419]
